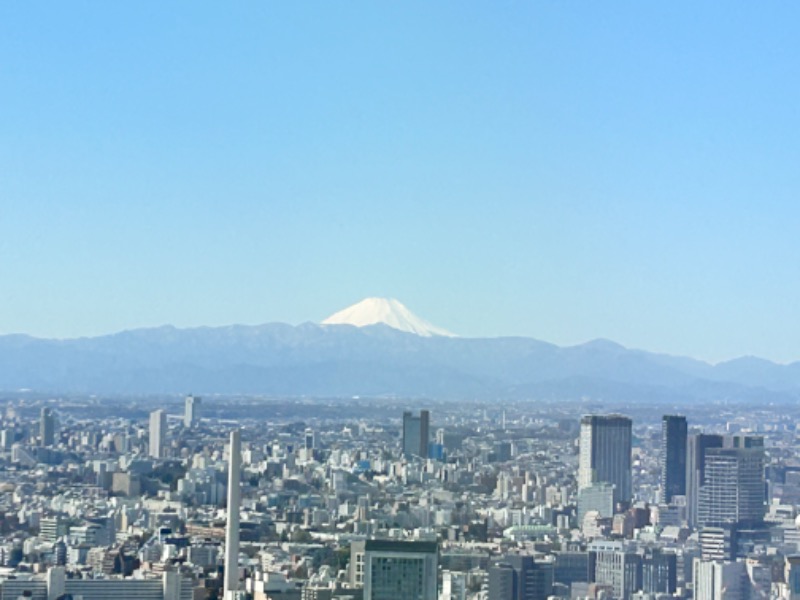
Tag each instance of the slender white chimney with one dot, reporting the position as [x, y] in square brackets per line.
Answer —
[232, 527]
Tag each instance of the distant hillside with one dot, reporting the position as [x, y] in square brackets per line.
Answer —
[343, 360]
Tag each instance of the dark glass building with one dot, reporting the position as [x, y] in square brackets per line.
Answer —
[673, 457]
[519, 577]
[416, 434]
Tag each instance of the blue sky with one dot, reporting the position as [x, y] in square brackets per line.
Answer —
[563, 170]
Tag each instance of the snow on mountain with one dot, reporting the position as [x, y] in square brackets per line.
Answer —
[387, 311]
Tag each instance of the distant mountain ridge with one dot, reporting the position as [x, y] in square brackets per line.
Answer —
[344, 360]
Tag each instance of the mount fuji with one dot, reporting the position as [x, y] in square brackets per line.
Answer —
[376, 347]
[386, 311]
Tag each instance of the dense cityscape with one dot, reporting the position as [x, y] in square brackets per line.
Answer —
[216, 218]
[387, 498]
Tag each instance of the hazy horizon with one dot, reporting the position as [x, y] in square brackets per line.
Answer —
[454, 334]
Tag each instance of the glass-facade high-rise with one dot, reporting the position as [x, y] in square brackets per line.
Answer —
[605, 454]
[416, 434]
[47, 427]
[673, 457]
[394, 570]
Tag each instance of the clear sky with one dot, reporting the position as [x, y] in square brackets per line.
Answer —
[562, 170]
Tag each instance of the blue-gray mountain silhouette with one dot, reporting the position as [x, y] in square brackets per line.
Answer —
[343, 360]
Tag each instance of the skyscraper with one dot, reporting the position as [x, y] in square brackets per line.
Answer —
[310, 439]
[673, 457]
[424, 432]
[158, 433]
[190, 408]
[605, 454]
[47, 427]
[6, 439]
[696, 447]
[733, 492]
[416, 432]
[232, 526]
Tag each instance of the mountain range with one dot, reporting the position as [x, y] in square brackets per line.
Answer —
[378, 348]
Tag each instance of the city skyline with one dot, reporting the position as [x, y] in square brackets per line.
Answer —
[560, 172]
[384, 522]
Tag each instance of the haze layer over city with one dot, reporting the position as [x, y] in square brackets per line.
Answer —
[431, 301]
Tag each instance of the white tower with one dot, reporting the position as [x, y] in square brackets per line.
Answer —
[232, 527]
[191, 404]
[158, 433]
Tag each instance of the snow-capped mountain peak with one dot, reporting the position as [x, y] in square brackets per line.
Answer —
[388, 311]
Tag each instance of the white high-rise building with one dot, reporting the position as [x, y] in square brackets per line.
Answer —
[696, 446]
[158, 433]
[733, 492]
[191, 406]
[6, 439]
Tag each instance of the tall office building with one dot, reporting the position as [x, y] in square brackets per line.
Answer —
[393, 570]
[416, 434]
[47, 427]
[424, 432]
[605, 454]
[6, 439]
[310, 439]
[231, 587]
[191, 406]
[158, 433]
[519, 577]
[696, 447]
[673, 457]
[733, 492]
